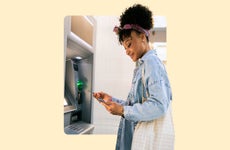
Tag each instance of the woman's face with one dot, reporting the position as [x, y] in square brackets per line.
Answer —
[134, 46]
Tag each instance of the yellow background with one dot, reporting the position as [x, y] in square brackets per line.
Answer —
[31, 81]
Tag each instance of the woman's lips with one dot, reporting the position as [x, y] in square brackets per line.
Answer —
[131, 55]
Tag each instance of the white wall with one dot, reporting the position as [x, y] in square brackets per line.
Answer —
[113, 71]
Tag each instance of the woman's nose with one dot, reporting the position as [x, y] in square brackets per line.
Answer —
[127, 51]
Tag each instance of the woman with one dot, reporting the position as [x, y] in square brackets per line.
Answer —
[133, 34]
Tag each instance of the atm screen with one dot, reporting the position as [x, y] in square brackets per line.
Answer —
[65, 102]
[70, 83]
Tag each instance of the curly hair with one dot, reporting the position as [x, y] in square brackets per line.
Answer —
[136, 14]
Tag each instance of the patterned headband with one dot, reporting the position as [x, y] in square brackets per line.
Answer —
[131, 26]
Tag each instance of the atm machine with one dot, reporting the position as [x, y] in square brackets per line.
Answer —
[78, 74]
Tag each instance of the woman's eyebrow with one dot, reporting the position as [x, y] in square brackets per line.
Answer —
[126, 40]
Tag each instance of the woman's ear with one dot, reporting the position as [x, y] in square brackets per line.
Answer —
[142, 36]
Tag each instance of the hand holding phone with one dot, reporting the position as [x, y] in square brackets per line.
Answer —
[101, 100]
[101, 97]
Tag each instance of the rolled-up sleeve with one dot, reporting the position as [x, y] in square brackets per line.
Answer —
[119, 101]
[158, 100]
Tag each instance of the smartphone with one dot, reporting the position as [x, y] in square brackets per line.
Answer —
[101, 100]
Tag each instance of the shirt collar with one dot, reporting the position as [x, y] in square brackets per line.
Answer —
[146, 55]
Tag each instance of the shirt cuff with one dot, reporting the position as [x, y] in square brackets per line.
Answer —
[119, 101]
[126, 112]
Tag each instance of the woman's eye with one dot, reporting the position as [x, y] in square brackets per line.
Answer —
[129, 45]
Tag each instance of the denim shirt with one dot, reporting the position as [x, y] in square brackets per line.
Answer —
[158, 89]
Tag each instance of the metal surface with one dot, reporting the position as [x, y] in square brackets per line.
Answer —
[79, 128]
